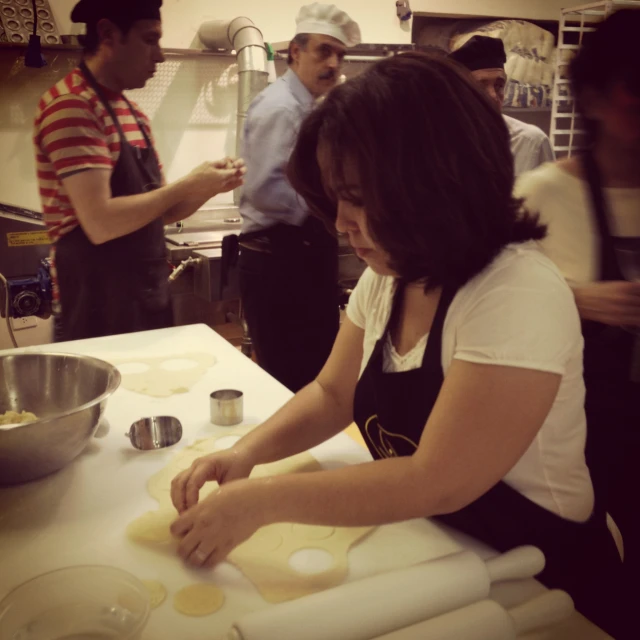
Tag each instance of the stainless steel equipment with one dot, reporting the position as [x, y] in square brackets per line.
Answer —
[155, 433]
[201, 238]
[24, 241]
[227, 407]
[68, 394]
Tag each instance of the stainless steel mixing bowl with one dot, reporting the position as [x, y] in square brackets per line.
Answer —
[68, 394]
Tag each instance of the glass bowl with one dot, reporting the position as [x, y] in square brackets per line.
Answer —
[76, 603]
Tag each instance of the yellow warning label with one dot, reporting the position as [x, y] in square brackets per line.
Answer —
[27, 238]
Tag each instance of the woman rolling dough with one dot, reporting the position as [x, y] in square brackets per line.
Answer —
[460, 358]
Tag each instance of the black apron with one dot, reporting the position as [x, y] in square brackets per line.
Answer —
[120, 286]
[613, 399]
[288, 280]
[391, 410]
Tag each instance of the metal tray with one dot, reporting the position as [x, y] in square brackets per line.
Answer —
[17, 21]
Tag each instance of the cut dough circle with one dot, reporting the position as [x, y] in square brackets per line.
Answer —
[311, 532]
[199, 599]
[157, 592]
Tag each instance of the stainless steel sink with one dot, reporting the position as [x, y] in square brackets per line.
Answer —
[201, 237]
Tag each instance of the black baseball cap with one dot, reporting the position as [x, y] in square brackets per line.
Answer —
[90, 11]
[481, 52]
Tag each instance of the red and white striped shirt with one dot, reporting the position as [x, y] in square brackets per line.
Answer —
[74, 132]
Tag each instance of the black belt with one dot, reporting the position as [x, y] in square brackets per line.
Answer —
[278, 239]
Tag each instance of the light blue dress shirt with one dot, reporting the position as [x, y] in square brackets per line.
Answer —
[271, 130]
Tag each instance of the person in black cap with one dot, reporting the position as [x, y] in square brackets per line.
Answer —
[104, 197]
[485, 58]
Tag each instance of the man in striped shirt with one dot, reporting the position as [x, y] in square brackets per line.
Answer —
[105, 201]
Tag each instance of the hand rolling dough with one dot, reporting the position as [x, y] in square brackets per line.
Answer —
[263, 558]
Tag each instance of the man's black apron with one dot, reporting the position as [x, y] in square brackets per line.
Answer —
[391, 410]
[289, 290]
[613, 400]
[120, 286]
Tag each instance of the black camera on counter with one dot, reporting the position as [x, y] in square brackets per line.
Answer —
[30, 295]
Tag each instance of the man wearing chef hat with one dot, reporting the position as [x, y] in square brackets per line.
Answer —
[288, 260]
[485, 57]
[103, 195]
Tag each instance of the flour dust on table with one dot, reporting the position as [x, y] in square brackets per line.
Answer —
[265, 558]
[164, 376]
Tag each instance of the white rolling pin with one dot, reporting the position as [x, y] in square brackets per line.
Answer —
[383, 603]
[487, 620]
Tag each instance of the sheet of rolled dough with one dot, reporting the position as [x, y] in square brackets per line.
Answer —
[263, 558]
[159, 380]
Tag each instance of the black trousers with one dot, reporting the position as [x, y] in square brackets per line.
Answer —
[290, 301]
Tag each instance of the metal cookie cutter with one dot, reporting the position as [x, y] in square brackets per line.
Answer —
[155, 433]
[226, 407]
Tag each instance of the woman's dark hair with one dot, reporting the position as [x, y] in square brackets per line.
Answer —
[434, 166]
[90, 41]
[607, 56]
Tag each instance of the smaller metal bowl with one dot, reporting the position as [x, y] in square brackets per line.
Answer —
[157, 432]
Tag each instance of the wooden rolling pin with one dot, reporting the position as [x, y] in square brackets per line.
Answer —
[383, 603]
[487, 620]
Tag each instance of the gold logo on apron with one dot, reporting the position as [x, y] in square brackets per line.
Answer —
[382, 441]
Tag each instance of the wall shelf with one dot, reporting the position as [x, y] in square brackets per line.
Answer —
[567, 133]
[169, 51]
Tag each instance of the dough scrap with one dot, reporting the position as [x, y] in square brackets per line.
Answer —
[157, 592]
[199, 599]
[159, 382]
[153, 527]
[14, 417]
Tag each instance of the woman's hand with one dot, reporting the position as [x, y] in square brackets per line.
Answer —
[613, 303]
[222, 467]
[223, 520]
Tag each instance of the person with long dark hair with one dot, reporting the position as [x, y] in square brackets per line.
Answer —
[591, 202]
[460, 358]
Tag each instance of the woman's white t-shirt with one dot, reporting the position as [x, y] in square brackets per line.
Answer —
[564, 204]
[519, 312]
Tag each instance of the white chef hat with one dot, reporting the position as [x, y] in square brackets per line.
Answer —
[328, 20]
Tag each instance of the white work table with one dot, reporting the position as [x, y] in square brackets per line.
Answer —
[79, 515]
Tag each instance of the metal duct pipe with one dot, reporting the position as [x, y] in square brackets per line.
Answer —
[247, 40]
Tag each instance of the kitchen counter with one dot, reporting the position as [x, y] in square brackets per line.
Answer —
[78, 516]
